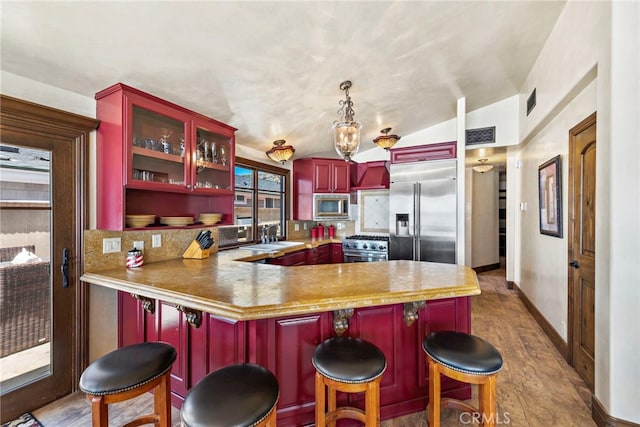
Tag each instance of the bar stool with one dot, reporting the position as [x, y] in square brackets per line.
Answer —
[126, 373]
[239, 395]
[465, 358]
[349, 365]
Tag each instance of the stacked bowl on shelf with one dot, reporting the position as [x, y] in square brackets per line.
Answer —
[210, 218]
[139, 221]
[176, 220]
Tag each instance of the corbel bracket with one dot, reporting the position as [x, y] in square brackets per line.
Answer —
[341, 320]
[411, 311]
[148, 304]
[194, 317]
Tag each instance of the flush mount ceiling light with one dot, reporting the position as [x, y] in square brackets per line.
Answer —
[280, 152]
[386, 141]
[483, 166]
[346, 131]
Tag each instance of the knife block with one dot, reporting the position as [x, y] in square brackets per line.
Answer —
[194, 251]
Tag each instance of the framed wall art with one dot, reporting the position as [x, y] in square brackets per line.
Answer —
[550, 197]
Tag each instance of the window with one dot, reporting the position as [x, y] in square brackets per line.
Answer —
[267, 186]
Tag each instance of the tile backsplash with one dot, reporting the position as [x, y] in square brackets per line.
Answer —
[174, 243]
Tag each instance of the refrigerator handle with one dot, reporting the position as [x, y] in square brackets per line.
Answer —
[416, 221]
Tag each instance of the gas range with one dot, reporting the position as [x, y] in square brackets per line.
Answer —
[363, 248]
[366, 243]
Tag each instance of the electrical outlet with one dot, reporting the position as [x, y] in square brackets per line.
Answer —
[156, 241]
[340, 226]
[139, 245]
[305, 226]
[296, 227]
[111, 245]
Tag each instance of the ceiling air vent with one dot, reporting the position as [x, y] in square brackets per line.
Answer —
[531, 102]
[480, 136]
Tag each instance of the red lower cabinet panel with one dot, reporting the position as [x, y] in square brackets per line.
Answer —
[285, 345]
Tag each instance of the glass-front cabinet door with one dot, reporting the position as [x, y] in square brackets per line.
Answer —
[156, 140]
[212, 158]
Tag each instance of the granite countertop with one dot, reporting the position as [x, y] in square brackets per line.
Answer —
[228, 285]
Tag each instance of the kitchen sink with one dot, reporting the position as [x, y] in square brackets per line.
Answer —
[271, 247]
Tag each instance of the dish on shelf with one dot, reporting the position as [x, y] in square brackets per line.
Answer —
[139, 221]
[210, 218]
[176, 220]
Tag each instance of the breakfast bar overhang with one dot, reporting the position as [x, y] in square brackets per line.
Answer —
[225, 310]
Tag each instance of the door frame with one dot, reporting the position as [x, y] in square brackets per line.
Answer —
[577, 129]
[22, 118]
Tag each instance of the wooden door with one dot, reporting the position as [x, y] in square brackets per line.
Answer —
[582, 251]
[53, 145]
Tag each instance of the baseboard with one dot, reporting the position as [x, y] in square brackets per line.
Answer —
[602, 419]
[484, 268]
[555, 338]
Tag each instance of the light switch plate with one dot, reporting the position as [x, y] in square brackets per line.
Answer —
[156, 241]
[139, 245]
[111, 245]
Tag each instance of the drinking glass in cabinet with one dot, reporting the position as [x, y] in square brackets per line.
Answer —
[223, 155]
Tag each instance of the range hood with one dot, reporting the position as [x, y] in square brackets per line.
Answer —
[372, 176]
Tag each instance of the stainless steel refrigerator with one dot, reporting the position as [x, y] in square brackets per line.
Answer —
[422, 205]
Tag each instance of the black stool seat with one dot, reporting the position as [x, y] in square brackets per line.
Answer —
[238, 395]
[127, 368]
[349, 360]
[463, 352]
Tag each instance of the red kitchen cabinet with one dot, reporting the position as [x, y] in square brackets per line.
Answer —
[285, 345]
[314, 175]
[291, 259]
[337, 256]
[155, 157]
[319, 255]
[217, 342]
[420, 153]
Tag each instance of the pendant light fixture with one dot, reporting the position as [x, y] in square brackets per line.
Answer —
[280, 152]
[346, 131]
[386, 141]
[483, 166]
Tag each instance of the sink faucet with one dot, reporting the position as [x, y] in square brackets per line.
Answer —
[268, 234]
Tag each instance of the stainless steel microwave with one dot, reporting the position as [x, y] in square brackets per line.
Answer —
[330, 206]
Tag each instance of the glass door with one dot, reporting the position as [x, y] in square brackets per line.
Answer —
[42, 212]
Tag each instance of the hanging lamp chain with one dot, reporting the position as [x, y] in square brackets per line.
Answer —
[346, 105]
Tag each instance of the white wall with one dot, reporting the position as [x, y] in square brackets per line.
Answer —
[503, 115]
[620, 358]
[580, 70]
[543, 267]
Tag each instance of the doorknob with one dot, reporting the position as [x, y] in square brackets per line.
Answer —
[65, 268]
[574, 264]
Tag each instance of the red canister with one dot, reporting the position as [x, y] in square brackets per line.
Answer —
[320, 231]
[314, 233]
[332, 231]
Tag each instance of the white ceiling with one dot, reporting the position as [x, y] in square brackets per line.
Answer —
[273, 69]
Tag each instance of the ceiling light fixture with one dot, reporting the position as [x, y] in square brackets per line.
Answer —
[483, 166]
[386, 141]
[346, 131]
[280, 152]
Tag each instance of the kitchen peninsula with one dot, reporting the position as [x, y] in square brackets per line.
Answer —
[227, 309]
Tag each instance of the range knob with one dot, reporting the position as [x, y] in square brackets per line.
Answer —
[364, 246]
[373, 247]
